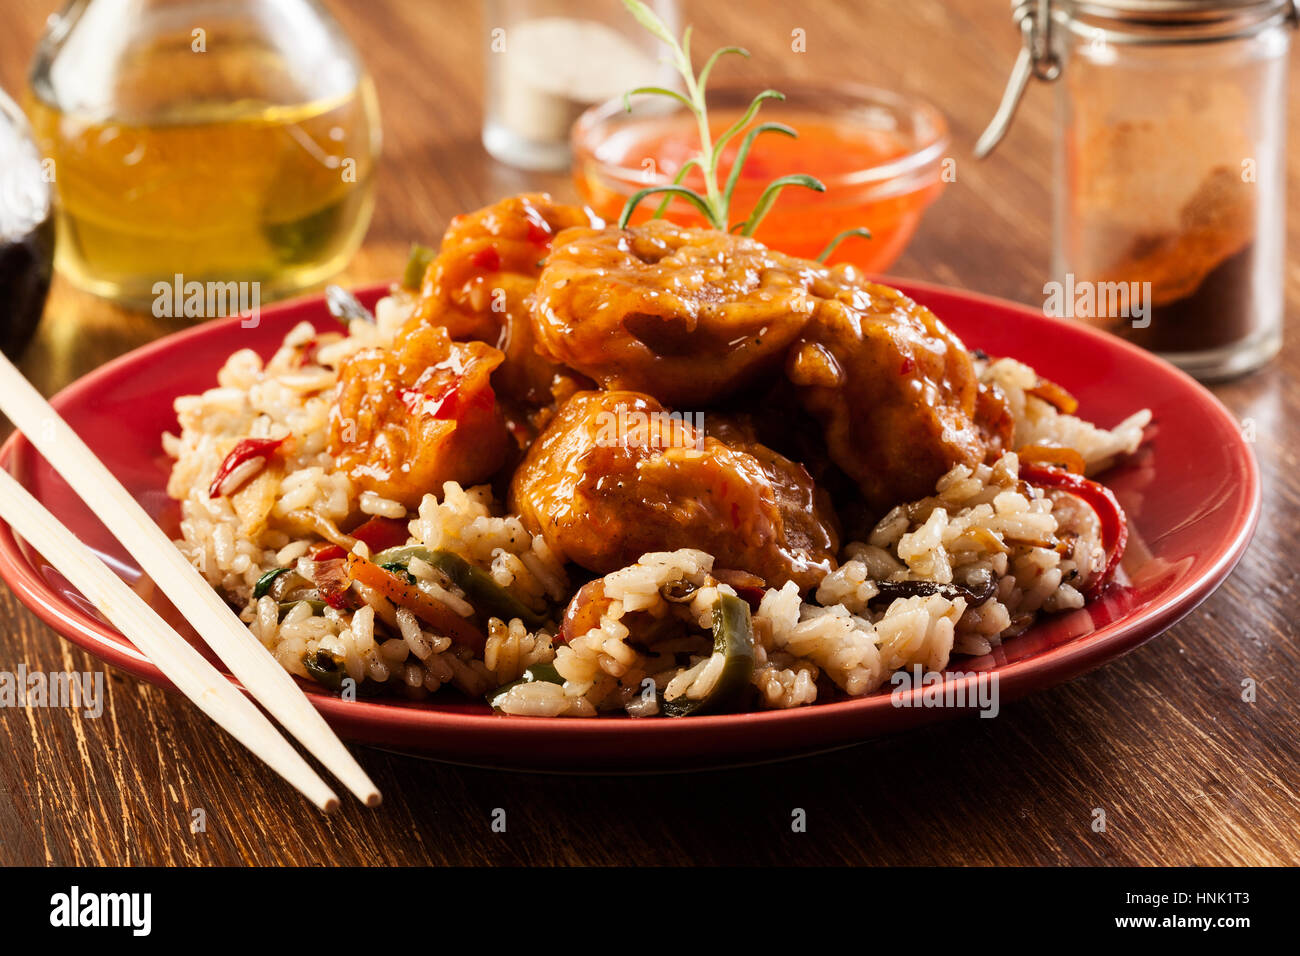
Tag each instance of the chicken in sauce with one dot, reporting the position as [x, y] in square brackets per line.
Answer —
[896, 393]
[407, 419]
[614, 475]
[478, 286]
[686, 315]
[693, 316]
[529, 299]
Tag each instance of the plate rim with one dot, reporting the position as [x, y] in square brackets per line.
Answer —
[375, 721]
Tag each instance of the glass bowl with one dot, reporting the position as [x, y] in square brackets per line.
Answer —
[881, 155]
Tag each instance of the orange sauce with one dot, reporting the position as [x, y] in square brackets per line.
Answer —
[802, 221]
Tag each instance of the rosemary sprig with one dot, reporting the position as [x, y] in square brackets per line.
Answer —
[831, 246]
[715, 203]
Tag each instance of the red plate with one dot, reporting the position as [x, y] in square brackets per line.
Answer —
[1192, 495]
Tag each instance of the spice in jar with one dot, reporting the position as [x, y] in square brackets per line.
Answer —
[1170, 166]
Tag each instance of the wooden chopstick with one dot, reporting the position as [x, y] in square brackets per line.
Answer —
[172, 654]
[251, 663]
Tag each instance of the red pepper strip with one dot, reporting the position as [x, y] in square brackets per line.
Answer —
[416, 400]
[1055, 396]
[246, 450]
[487, 259]
[750, 587]
[751, 595]
[449, 403]
[307, 353]
[341, 600]
[1054, 456]
[1114, 523]
[330, 576]
[380, 534]
[432, 612]
[446, 404]
[539, 230]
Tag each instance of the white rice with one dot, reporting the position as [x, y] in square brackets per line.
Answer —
[980, 527]
[1039, 422]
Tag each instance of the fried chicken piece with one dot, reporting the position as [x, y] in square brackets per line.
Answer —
[896, 392]
[615, 476]
[479, 283]
[685, 315]
[407, 419]
[806, 509]
[695, 315]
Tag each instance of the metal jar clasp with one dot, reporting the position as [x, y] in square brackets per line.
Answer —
[1036, 58]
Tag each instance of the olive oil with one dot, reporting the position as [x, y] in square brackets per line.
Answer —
[279, 195]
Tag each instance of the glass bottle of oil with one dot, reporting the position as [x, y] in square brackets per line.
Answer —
[215, 140]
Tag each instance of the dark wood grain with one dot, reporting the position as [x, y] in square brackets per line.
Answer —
[1186, 771]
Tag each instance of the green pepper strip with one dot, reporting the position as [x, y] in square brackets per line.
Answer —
[534, 674]
[733, 638]
[416, 265]
[324, 668]
[400, 570]
[266, 580]
[489, 598]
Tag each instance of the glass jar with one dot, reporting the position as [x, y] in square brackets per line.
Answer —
[548, 60]
[26, 231]
[211, 140]
[1170, 170]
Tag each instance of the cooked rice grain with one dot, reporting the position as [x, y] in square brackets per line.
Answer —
[980, 527]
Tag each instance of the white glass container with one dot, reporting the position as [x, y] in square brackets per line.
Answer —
[548, 60]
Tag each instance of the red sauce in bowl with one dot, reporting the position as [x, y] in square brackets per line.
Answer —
[879, 155]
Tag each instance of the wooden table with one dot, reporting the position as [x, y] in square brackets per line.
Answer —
[1187, 772]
